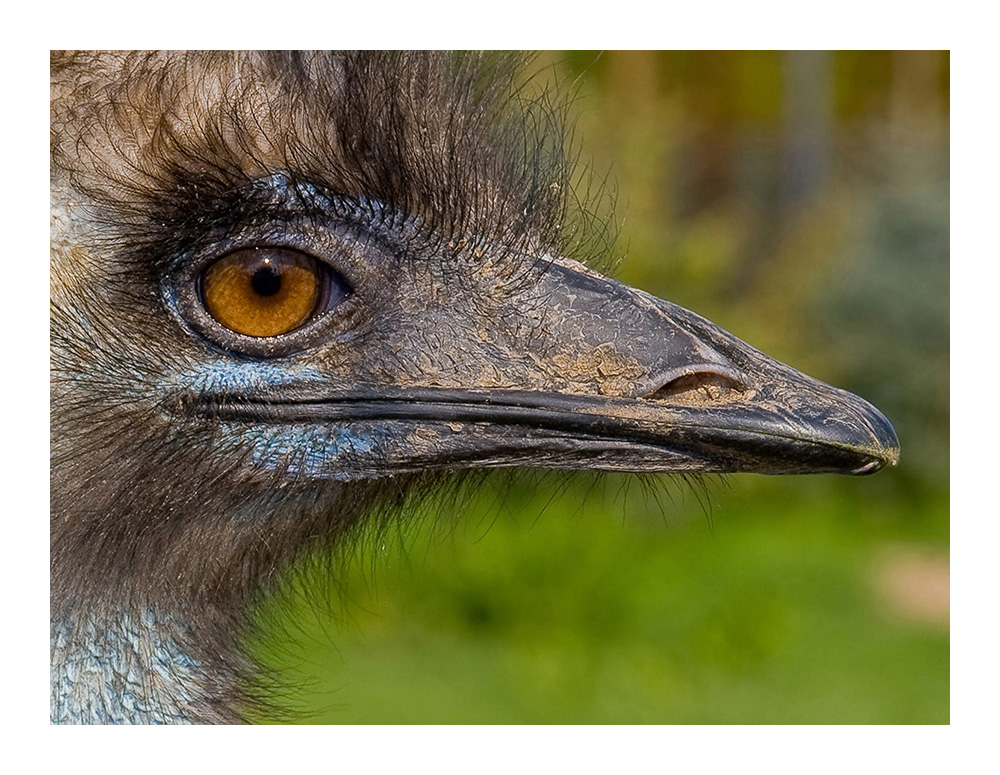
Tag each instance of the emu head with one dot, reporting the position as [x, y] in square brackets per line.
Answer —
[285, 286]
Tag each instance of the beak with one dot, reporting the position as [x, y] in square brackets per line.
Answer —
[707, 396]
[628, 382]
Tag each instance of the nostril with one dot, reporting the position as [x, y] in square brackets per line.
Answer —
[700, 387]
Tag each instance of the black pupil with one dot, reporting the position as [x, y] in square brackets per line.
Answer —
[265, 282]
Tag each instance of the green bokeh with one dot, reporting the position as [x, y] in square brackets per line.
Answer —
[751, 600]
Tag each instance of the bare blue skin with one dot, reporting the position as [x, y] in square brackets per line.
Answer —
[127, 671]
[309, 450]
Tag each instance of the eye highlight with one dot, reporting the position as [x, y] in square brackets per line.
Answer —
[264, 292]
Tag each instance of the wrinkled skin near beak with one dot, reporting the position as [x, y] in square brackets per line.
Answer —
[622, 381]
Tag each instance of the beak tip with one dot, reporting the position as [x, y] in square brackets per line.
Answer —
[884, 449]
[886, 458]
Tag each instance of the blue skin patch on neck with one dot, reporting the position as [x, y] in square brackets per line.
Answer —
[124, 670]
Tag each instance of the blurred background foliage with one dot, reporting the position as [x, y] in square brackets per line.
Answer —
[801, 201]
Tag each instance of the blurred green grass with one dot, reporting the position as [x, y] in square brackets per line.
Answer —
[755, 601]
[768, 609]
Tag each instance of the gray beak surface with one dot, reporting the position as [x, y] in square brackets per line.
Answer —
[706, 396]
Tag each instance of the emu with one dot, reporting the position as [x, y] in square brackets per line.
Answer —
[289, 288]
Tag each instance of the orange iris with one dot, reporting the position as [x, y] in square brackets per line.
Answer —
[262, 291]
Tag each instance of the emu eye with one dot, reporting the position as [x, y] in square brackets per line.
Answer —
[264, 291]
